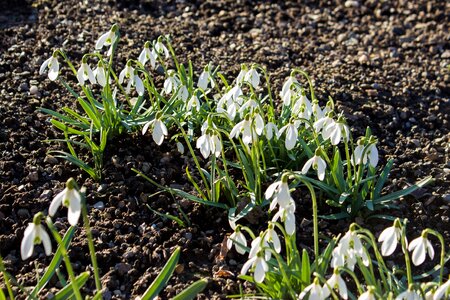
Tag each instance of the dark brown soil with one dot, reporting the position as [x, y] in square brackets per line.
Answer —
[385, 65]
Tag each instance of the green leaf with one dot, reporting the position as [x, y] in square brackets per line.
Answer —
[54, 264]
[163, 277]
[383, 177]
[2, 295]
[336, 216]
[192, 291]
[63, 127]
[306, 268]
[232, 211]
[404, 192]
[67, 291]
[79, 163]
[168, 216]
[338, 171]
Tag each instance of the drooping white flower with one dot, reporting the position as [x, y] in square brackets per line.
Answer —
[420, 247]
[390, 237]
[84, 73]
[260, 268]
[314, 290]
[159, 130]
[241, 75]
[127, 72]
[69, 197]
[368, 295]
[318, 163]
[204, 79]
[336, 131]
[364, 153]
[237, 238]
[348, 249]
[279, 190]
[107, 39]
[53, 67]
[100, 74]
[193, 103]
[271, 130]
[271, 236]
[317, 110]
[162, 49]
[302, 107]
[291, 135]
[147, 54]
[171, 83]
[230, 102]
[335, 282]
[252, 77]
[287, 215]
[286, 91]
[443, 291]
[409, 294]
[209, 143]
[323, 123]
[245, 128]
[35, 234]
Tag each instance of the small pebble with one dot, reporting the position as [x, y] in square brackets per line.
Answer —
[34, 90]
[99, 205]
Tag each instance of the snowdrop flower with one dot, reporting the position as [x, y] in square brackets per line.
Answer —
[286, 91]
[133, 79]
[205, 78]
[364, 153]
[368, 295]
[317, 163]
[442, 291]
[335, 131]
[159, 130]
[279, 190]
[193, 103]
[237, 238]
[420, 247]
[335, 282]
[291, 135]
[343, 257]
[85, 72]
[100, 74]
[349, 247]
[323, 122]
[241, 76]
[209, 143]
[161, 49]
[171, 83]
[302, 106]
[252, 77]
[271, 130]
[317, 111]
[107, 39]
[53, 67]
[230, 102]
[70, 197]
[259, 265]
[245, 128]
[390, 237]
[35, 234]
[287, 215]
[147, 55]
[271, 236]
[409, 294]
[314, 290]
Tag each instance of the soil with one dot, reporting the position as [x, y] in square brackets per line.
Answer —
[384, 64]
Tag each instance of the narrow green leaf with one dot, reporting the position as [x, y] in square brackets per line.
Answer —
[63, 127]
[90, 112]
[383, 177]
[79, 163]
[232, 211]
[336, 216]
[168, 216]
[338, 171]
[67, 291]
[2, 295]
[409, 190]
[54, 264]
[306, 268]
[160, 282]
[192, 291]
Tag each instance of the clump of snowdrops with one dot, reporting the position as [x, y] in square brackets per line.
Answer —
[247, 142]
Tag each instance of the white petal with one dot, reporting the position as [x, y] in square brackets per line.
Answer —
[45, 238]
[56, 202]
[389, 245]
[139, 85]
[143, 57]
[27, 245]
[321, 166]
[271, 189]
[373, 156]
[247, 265]
[430, 249]
[101, 41]
[122, 75]
[80, 74]
[90, 74]
[203, 80]
[335, 136]
[418, 256]
[291, 137]
[440, 292]
[259, 124]
[101, 77]
[145, 128]
[74, 212]
[307, 165]
[260, 270]
[289, 224]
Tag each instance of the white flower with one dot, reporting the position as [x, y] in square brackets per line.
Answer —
[241, 76]
[322, 123]
[183, 93]
[100, 74]
[363, 153]
[161, 49]
[107, 39]
[53, 67]
[280, 192]
[291, 135]
[318, 164]
[239, 241]
[146, 55]
[209, 143]
[34, 234]
[335, 282]
[84, 73]
[245, 128]
[159, 130]
[317, 111]
[127, 72]
[271, 130]
[302, 106]
[286, 91]
[390, 237]
[442, 291]
[272, 237]
[193, 103]
[335, 131]
[348, 249]
[171, 83]
[230, 102]
[260, 268]
[314, 290]
[409, 294]
[368, 295]
[421, 247]
[204, 79]
[252, 77]
[134, 79]
[287, 215]
[69, 197]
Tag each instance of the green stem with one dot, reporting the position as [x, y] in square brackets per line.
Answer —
[58, 239]
[6, 277]
[315, 218]
[442, 261]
